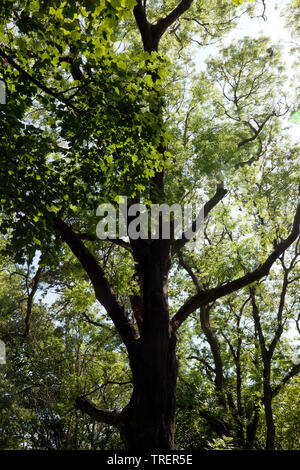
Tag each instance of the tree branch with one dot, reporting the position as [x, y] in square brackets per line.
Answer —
[293, 372]
[103, 291]
[36, 82]
[205, 297]
[101, 415]
[189, 270]
[144, 26]
[93, 322]
[163, 24]
[257, 322]
[151, 34]
[215, 350]
[256, 131]
[35, 284]
[208, 207]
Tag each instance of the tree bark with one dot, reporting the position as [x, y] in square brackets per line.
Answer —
[251, 429]
[267, 399]
[149, 418]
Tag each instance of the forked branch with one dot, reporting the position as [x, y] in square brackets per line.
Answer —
[151, 34]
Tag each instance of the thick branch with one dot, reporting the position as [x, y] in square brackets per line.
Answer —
[151, 34]
[280, 323]
[293, 372]
[215, 349]
[103, 290]
[163, 24]
[208, 207]
[205, 297]
[144, 26]
[257, 322]
[112, 418]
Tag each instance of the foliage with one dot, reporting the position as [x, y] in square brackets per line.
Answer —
[95, 110]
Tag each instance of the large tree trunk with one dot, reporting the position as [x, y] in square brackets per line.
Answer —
[149, 418]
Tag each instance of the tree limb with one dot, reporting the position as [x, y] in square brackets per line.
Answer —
[293, 372]
[103, 291]
[36, 82]
[35, 284]
[215, 350]
[151, 34]
[205, 297]
[256, 131]
[144, 26]
[208, 207]
[163, 24]
[189, 270]
[101, 415]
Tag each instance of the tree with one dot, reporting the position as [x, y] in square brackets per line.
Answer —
[85, 123]
[245, 358]
[61, 357]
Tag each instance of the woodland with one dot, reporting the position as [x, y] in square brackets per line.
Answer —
[149, 344]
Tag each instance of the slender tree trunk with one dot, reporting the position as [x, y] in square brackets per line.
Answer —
[270, 439]
[240, 410]
[251, 430]
[267, 360]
